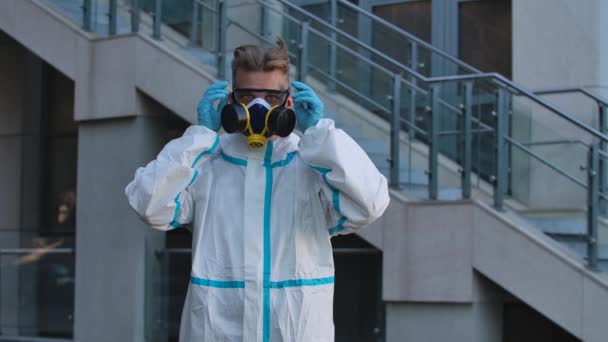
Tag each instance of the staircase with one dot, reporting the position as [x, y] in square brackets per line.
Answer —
[439, 129]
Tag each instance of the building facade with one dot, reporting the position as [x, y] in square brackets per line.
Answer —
[85, 99]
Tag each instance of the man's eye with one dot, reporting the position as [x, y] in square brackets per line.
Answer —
[246, 98]
[273, 99]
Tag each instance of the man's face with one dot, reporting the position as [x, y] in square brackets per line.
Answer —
[274, 79]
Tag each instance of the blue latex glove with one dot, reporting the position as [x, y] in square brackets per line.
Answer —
[208, 115]
[307, 105]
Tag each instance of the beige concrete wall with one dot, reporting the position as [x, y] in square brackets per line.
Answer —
[557, 44]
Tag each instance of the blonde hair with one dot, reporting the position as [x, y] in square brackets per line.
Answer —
[257, 58]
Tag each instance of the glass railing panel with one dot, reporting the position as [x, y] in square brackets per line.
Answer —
[321, 10]
[176, 14]
[414, 157]
[373, 81]
[71, 9]
[318, 56]
[394, 46]
[350, 22]
[546, 165]
[450, 139]
[198, 36]
[167, 279]
[355, 76]
[124, 17]
[555, 200]
[576, 104]
[101, 15]
[557, 142]
[37, 290]
[391, 40]
[245, 24]
[292, 34]
[275, 21]
[484, 106]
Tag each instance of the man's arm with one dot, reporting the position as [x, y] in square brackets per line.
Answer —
[159, 193]
[351, 184]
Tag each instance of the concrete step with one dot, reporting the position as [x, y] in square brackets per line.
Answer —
[558, 224]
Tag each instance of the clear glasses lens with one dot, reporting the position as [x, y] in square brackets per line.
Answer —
[274, 98]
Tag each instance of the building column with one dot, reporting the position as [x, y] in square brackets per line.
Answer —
[444, 34]
[114, 246]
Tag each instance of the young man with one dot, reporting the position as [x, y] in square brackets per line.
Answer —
[262, 218]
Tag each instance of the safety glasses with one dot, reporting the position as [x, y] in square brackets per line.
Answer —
[274, 97]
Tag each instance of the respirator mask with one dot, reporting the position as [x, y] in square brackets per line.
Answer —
[258, 117]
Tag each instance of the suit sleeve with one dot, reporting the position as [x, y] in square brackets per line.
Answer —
[353, 192]
[160, 192]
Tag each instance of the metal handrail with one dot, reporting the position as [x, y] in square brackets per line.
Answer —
[333, 79]
[595, 97]
[351, 89]
[354, 53]
[409, 36]
[36, 250]
[340, 32]
[556, 142]
[514, 88]
[431, 80]
[441, 79]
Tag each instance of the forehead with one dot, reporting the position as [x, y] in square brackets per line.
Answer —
[273, 79]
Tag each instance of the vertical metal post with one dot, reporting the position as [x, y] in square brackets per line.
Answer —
[135, 15]
[194, 24]
[603, 170]
[413, 80]
[158, 15]
[592, 206]
[468, 140]
[411, 132]
[264, 17]
[112, 19]
[395, 131]
[87, 15]
[333, 48]
[303, 52]
[501, 149]
[222, 26]
[164, 288]
[434, 140]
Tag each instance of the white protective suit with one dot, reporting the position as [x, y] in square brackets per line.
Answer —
[262, 264]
